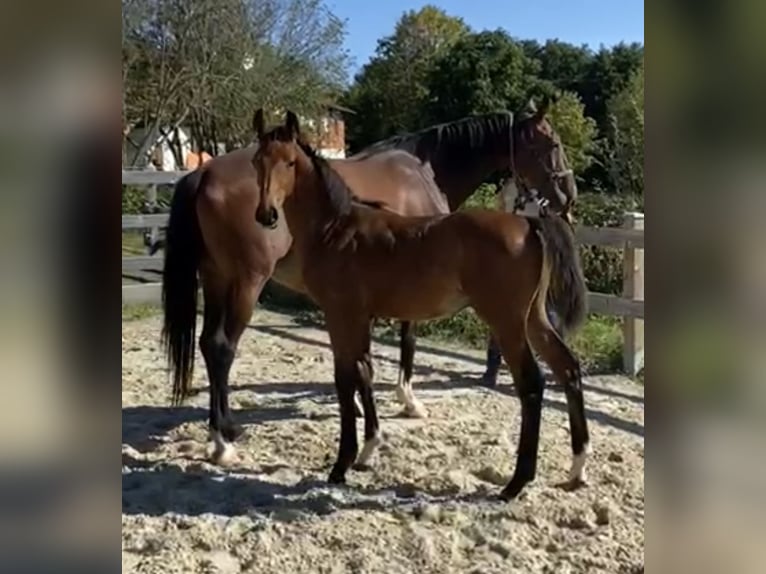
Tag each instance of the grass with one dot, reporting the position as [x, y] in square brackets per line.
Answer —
[137, 312]
[133, 243]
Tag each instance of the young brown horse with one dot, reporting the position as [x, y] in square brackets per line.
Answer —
[359, 262]
[464, 154]
[211, 239]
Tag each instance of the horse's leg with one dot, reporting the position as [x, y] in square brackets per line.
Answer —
[530, 384]
[365, 374]
[566, 369]
[350, 338]
[494, 360]
[412, 407]
[223, 326]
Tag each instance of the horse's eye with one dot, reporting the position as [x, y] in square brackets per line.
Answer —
[291, 163]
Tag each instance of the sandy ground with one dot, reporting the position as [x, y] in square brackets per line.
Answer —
[426, 507]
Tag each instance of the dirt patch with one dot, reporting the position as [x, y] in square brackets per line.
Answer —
[427, 505]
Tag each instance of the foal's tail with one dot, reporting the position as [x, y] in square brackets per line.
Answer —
[183, 249]
[567, 293]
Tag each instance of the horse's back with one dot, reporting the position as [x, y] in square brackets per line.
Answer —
[395, 177]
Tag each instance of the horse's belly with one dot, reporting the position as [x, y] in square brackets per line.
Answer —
[419, 303]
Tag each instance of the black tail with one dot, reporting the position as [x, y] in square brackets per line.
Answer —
[567, 294]
[183, 249]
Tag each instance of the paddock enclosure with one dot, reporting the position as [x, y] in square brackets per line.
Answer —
[427, 505]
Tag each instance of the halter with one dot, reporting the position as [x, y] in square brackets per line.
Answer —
[525, 195]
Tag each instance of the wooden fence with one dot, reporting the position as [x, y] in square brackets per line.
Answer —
[630, 237]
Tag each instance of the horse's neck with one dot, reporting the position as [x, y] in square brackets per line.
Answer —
[308, 209]
[458, 180]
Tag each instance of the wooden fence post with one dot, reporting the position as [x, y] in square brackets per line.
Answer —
[150, 206]
[633, 288]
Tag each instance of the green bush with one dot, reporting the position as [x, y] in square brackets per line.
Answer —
[134, 199]
[603, 265]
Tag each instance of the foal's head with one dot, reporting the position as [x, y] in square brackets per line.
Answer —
[275, 164]
[540, 160]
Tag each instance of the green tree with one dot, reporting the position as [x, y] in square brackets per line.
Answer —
[481, 72]
[577, 131]
[563, 65]
[390, 91]
[608, 72]
[625, 141]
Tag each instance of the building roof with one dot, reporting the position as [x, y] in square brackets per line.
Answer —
[341, 108]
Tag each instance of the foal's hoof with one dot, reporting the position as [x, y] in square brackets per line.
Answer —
[489, 380]
[573, 484]
[223, 455]
[415, 411]
[513, 489]
[232, 431]
[336, 477]
[362, 467]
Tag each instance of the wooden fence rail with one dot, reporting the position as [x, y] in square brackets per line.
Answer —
[630, 237]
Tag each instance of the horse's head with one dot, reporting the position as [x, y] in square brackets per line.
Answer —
[274, 161]
[540, 162]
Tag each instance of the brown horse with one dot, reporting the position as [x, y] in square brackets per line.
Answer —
[465, 153]
[211, 239]
[360, 262]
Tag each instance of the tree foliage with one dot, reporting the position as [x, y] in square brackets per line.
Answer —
[390, 92]
[481, 72]
[578, 132]
[209, 63]
[625, 143]
[434, 69]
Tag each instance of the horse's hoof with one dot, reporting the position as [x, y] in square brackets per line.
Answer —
[232, 431]
[488, 380]
[362, 467]
[414, 411]
[336, 477]
[573, 484]
[513, 489]
[223, 456]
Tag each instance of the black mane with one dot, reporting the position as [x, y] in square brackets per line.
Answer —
[341, 197]
[450, 140]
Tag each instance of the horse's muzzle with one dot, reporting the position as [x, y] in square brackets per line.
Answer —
[267, 217]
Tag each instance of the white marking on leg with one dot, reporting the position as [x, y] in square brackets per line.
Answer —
[224, 452]
[358, 403]
[577, 472]
[368, 450]
[414, 406]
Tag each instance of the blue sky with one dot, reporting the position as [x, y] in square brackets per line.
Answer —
[592, 22]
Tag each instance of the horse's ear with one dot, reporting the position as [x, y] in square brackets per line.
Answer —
[292, 124]
[259, 126]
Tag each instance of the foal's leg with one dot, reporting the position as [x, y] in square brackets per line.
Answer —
[412, 407]
[223, 326]
[494, 359]
[371, 425]
[350, 340]
[345, 386]
[566, 369]
[530, 385]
